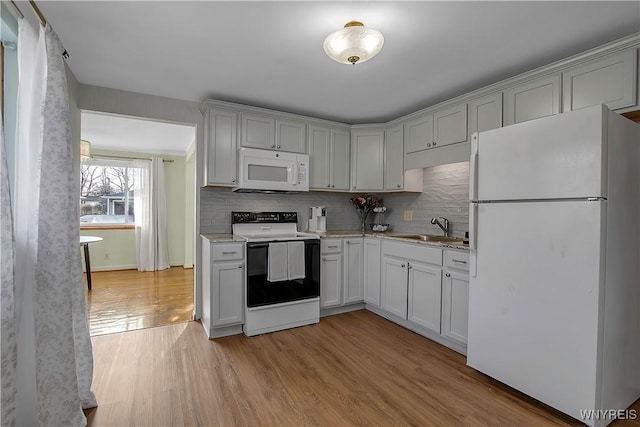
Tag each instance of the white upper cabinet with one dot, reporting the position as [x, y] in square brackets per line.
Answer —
[532, 100]
[610, 81]
[394, 159]
[273, 134]
[329, 154]
[418, 134]
[319, 157]
[367, 160]
[221, 147]
[258, 132]
[450, 125]
[485, 113]
[340, 166]
[291, 136]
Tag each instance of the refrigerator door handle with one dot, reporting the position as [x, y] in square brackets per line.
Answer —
[473, 168]
[473, 238]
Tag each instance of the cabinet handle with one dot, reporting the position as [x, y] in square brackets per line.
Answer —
[409, 266]
[229, 253]
[402, 265]
[273, 145]
[448, 275]
[399, 185]
[459, 260]
[333, 247]
[233, 180]
[434, 143]
[333, 186]
[324, 259]
[428, 145]
[328, 186]
[278, 146]
[240, 266]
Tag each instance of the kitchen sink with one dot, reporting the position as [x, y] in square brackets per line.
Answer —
[428, 238]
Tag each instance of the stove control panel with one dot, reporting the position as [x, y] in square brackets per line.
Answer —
[263, 217]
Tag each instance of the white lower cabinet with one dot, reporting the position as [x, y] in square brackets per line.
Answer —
[353, 275]
[341, 272]
[455, 296]
[425, 294]
[412, 283]
[331, 273]
[223, 276]
[394, 286]
[371, 271]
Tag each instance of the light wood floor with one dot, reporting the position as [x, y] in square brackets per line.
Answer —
[127, 300]
[350, 369]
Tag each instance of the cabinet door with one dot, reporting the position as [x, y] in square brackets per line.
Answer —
[394, 159]
[455, 306]
[371, 271]
[532, 100]
[485, 113]
[319, 159]
[221, 147]
[450, 125]
[330, 280]
[353, 280]
[340, 160]
[610, 81]
[258, 132]
[418, 134]
[291, 136]
[227, 296]
[367, 149]
[394, 286]
[425, 293]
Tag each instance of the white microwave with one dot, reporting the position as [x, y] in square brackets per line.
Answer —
[264, 171]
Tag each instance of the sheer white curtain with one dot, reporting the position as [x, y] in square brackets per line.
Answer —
[48, 352]
[151, 216]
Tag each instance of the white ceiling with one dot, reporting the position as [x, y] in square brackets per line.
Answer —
[270, 54]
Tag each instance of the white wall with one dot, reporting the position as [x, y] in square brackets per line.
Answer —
[189, 205]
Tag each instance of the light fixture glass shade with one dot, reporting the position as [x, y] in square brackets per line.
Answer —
[354, 44]
[85, 150]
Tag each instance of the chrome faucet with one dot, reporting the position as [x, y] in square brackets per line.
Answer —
[444, 225]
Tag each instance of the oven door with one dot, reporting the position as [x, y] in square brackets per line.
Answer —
[261, 292]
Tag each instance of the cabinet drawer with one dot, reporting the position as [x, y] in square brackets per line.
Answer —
[457, 260]
[227, 252]
[414, 252]
[330, 246]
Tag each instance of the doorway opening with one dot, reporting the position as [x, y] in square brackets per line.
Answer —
[120, 297]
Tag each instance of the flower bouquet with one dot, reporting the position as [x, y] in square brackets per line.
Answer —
[365, 203]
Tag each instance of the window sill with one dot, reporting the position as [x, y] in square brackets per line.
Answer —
[107, 227]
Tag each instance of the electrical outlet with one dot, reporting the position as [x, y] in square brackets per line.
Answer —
[106, 255]
[408, 215]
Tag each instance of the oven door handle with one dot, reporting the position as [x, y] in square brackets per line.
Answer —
[257, 245]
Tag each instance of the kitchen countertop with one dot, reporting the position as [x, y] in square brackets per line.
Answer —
[394, 236]
[340, 234]
[222, 237]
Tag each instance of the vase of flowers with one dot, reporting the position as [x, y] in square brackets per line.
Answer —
[364, 204]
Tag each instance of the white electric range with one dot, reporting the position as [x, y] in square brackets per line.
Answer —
[291, 297]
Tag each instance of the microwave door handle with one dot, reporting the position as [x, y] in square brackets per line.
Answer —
[294, 171]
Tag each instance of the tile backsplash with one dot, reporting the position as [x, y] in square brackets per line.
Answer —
[446, 193]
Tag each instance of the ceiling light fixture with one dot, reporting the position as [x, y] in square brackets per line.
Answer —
[353, 44]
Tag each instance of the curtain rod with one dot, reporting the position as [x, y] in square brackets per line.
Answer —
[39, 14]
[126, 157]
[43, 21]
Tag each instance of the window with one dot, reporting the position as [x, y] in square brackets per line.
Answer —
[107, 190]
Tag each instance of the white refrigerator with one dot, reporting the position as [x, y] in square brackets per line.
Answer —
[554, 293]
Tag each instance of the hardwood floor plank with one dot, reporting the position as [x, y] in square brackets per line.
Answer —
[126, 300]
[351, 369]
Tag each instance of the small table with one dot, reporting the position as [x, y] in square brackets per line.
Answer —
[84, 242]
